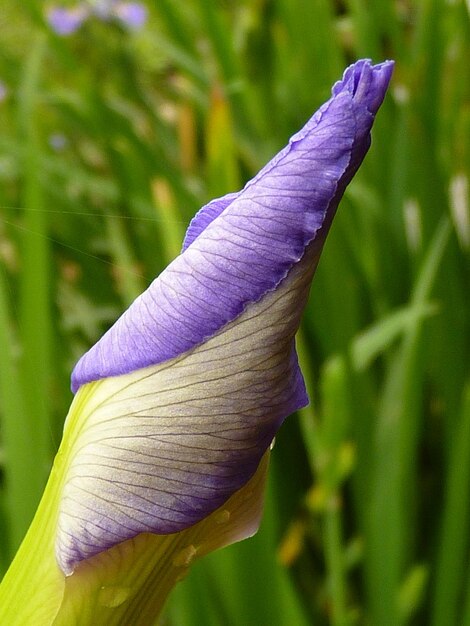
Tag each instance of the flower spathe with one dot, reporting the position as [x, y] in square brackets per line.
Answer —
[193, 381]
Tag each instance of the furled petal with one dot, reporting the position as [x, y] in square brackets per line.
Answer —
[196, 377]
[251, 246]
[205, 216]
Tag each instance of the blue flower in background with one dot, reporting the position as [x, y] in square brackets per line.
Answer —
[133, 14]
[58, 141]
[65, 21]
[186, 391]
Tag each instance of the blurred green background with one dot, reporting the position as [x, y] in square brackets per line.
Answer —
[113, 135]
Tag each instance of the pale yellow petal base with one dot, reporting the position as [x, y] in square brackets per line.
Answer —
[128, 584]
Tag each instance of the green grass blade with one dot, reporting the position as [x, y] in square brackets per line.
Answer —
[391, 510]
[15, 454]
[454, 543]
[377, 339]
[35, 304]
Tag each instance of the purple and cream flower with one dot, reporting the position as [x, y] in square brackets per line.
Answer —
[67, 20]
[187, 390]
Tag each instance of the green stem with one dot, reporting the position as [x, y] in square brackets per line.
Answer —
[32, 589]
[335, 561]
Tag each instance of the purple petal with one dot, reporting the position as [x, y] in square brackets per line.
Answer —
[250, 247]
[205, 216]
[66, 21]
